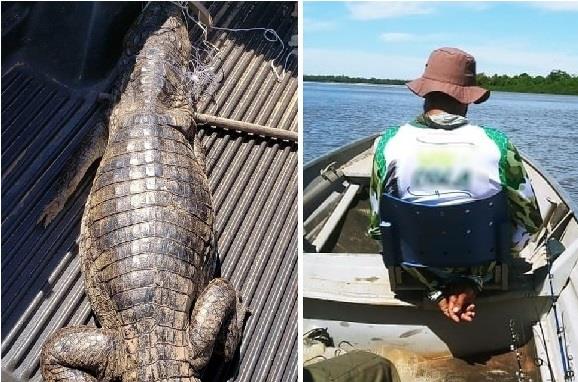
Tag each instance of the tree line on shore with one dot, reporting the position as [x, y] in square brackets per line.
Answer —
[352, 80]
[557, 82]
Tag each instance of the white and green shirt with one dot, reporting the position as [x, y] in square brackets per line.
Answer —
[445, 159]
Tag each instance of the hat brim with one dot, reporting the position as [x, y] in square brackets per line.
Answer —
[464, 94]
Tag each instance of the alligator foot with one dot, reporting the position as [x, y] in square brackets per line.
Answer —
[216, 324]
[79, 354]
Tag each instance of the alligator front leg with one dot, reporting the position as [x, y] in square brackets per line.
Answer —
[90, 150]
[79, 354]
[216, 324]
[200, 152]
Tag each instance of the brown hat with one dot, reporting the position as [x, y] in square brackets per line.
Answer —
[453, 72]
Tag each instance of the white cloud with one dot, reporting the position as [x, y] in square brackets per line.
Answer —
[478, 6]
[372, 10]
[506, 59]
[361, 64]
[516, 59]
[312, 25]
[563, 6]
[402, 37]
[397, 37]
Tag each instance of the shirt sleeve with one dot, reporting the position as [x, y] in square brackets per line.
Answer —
[522, 202]
[375, 190]
[378, 180]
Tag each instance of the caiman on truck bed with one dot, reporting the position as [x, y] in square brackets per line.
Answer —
[60, 62]
[147, 241]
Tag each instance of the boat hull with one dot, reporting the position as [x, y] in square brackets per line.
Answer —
[349, 293]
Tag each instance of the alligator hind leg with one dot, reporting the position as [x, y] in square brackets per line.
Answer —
[79, 354]
[216, 323]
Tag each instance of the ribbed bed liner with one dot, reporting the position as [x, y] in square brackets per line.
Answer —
[42, 124]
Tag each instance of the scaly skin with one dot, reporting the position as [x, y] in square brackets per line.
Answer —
[146, 247]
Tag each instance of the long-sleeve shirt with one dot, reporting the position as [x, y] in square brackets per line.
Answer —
[500, 168]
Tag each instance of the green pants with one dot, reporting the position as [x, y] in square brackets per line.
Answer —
[356, 366]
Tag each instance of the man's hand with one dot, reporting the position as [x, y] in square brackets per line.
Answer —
[457, 303]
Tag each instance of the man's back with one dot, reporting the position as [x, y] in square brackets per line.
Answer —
[442, 166]
[442, 158]
[445, 159]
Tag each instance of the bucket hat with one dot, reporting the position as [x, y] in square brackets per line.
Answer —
[453, 72]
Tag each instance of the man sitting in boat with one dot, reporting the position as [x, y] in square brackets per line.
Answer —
[443, 158]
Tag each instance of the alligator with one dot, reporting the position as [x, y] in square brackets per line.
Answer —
[147, 244]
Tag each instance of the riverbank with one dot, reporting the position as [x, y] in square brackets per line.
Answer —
[557, 82]
[352, 80]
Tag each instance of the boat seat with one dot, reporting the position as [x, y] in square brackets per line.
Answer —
[458, 235]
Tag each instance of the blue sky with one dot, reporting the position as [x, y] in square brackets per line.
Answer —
[394, 39]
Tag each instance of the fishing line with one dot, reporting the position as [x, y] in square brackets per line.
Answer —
[275, 38]
[269, 34]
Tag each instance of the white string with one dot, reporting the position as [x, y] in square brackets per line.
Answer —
[199, 76]
[280, 77]
[214, 52]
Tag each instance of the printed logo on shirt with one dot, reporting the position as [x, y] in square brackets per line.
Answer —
[440, 169]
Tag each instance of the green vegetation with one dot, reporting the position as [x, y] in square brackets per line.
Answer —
[557, 82]
[352, 80]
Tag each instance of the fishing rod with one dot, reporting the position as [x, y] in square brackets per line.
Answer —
[545, 235]
[560, 329]
[569, 357]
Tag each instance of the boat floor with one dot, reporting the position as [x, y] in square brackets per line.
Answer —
[502, 367]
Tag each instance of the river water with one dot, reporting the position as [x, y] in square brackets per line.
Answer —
[544, 127]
